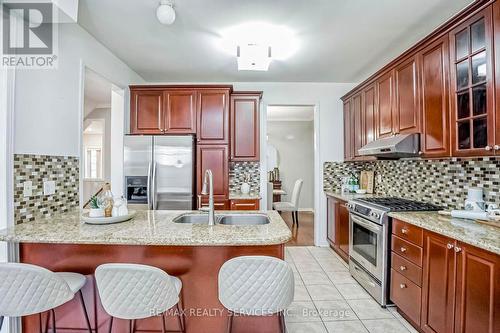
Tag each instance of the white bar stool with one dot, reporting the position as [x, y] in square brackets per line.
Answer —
[28, 289]
[132, 291]
[256, 286]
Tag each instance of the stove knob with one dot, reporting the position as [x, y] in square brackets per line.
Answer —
[375, 215]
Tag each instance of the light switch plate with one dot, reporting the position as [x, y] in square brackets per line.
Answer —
[379, 179]
[27, 188]
[49, 187]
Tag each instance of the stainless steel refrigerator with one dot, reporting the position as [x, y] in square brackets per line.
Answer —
[159, 171]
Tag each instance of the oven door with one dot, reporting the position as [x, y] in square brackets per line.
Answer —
[366, 244]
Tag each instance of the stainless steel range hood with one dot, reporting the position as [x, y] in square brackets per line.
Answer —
[397, 146]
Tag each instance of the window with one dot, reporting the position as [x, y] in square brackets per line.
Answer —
[93, 163]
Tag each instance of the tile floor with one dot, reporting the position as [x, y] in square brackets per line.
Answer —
[328, 300]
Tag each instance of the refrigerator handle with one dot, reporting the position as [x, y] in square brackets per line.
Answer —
[148, 193]
[153, 186]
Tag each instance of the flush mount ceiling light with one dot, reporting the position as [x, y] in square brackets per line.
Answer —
[165, 12]
[256, 44]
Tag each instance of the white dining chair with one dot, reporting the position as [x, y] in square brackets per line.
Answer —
[28, 289]
[132, 292]
[256, 286]
[293, 205]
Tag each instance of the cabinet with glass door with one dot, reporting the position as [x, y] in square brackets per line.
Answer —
[473, 122]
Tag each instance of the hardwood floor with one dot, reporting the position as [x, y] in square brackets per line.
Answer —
[304, 235]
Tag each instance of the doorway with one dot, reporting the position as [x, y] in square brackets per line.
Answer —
[290, 167]
[101, 157]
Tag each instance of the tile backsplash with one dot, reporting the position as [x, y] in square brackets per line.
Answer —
[63, 170]
[441, 181]
[237, 171]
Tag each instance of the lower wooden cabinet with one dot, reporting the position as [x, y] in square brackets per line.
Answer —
[220, 202]
[338, 227]
[215, 158]
[244, 204]
[460, 287]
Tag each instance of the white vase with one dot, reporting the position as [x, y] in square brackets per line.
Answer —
[96, 212]
[245, 188]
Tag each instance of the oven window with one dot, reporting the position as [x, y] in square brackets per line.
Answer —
[364, 243]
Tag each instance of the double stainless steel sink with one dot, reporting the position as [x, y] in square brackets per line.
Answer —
[224, 219]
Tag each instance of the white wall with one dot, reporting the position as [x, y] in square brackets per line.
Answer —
[328, 124]
[48, 102]
[294, 141]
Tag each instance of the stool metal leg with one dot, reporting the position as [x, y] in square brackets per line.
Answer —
[230, 323]
[53, 320]
[297, 218]
[110, 324]
[1, 322]
[180, 318]
[85, 311]
[131, 326]
[282, 322]
[163, 324]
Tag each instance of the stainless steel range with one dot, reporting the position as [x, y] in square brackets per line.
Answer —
[369, 240]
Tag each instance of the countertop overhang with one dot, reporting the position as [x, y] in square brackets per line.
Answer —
[148, 228]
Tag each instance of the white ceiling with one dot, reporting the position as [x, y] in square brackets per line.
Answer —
[339, 40]
[290, 113]
[97, 91]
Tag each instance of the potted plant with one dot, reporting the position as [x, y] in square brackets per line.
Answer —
[96, 209]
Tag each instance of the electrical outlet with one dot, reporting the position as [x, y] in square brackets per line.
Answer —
[27, 188]
[49, 187]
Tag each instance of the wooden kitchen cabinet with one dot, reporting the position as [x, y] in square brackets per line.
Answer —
[220, 202]
[348, 132]
[496, 42]
[180, 111]
[434, 77]
[369, 114]
[215, 158]
[245, 133]
[438, 285]
[244, 204]
[213, 116]
[477, 296]
[146, 112]
[407, 108]
[385, 100]
[472, 86]
[338, 227]
[356, 118]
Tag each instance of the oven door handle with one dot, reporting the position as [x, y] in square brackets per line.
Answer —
[362, 274]
[368, 225]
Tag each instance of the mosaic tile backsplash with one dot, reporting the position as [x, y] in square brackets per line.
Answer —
[443, 181]
[237, 171]
[37, 169]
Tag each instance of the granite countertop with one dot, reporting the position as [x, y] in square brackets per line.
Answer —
[467, 231]
[241, 196]
[148, 228]
[349, 196]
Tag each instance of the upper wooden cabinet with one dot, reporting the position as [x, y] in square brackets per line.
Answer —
[348, 131]
[215, 158]
[213, 116]
[407, 109]
[245, 118]
[357, 126]
[369, 112]
[180, 111]
[496, 42]
[146, 112]
[385, 100]
[472, 86]
[434, 76]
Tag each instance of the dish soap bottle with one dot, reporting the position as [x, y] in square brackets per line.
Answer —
[107, 200]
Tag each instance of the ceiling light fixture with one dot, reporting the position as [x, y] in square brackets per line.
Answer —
[165, 12]
[256, 44]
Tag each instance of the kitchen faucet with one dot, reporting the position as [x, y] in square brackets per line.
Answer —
[208, 180]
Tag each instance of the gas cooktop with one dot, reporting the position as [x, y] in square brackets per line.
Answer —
[400, 205]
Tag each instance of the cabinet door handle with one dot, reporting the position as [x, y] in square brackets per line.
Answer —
[496, 147]
[403, 268]
[403, 249]
[458, 249]
[402, 286]
[449, 246]
[488, 148]
[404, 231]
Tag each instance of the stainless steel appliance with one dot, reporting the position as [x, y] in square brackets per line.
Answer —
[369, 241]
[396, 146]
[159, 171]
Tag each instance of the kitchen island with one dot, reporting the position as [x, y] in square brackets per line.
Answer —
[192, 252]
